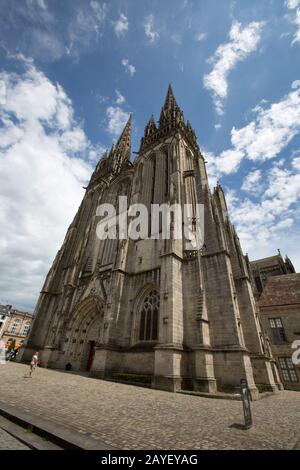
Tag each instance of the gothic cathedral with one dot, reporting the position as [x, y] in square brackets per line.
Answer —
[185, 318]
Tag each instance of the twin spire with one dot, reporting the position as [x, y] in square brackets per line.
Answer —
[171, 118]
[171, 115]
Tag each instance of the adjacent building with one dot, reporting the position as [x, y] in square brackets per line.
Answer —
[185, 317]
[4, 314]
[16, 327]
[280, 313]
[263, 268]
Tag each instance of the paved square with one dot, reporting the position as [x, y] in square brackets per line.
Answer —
[8, 442]
[129, 417]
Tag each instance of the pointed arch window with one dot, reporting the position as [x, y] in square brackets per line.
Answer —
[149, 315]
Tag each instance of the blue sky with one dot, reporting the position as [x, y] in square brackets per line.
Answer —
[71, 71]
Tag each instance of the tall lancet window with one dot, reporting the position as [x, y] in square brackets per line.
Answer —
[149, 317]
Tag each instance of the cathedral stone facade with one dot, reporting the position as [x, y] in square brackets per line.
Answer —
[186, 318]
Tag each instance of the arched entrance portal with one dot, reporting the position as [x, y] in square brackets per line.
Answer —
[86, 333]
[91, 355]
[92, 337]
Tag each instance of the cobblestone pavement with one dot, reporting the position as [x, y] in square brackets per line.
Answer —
[129, 417]
[7, 442]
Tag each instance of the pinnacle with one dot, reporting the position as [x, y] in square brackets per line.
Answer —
[170, 112]
[120, 153]
[150, 126]
[170, 101]
[124, 139]
[151, 120]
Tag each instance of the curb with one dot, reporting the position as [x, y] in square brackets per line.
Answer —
[223, 396]
[297, 445]
[30, 440]
[60, 435]
[219, 396]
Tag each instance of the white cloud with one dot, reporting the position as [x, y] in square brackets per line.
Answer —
[263, 138]
[242, 42]
[41, 177]
[38, 36]
[296, 163]
[45, 45]
[271, 131]
[73, 140]
[96, 153]
[150, 32]
[292, 5]
[40, 3]
[269, 223]
[128, 67]
[102, 98]
[296, 21]
[295, 84]
[121, 25]
[214, 174]
[252, 182]
[227, 162]
[2, 92]
[120, 98]
[100, 11]
[35, 9]
[117, 119]
[200, 37]
[86, 28]
[88, 21]
[47, 39]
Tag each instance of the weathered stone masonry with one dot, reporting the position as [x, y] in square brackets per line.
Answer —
[187, 318]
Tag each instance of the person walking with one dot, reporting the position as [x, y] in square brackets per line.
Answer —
[34, 362]
[2, 352]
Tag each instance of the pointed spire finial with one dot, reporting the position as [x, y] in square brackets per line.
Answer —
[126, 133]
[150, 127]
[149, 131]
[170, 114]
[120, 153]
[170, 101]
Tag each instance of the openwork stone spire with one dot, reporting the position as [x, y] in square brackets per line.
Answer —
[170, 102]
[150, 128]
[112, 162]
[121, 151]
[171, 119]
[171, 115]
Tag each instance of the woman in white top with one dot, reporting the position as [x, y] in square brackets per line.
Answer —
[34, 362]
[2, 353]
